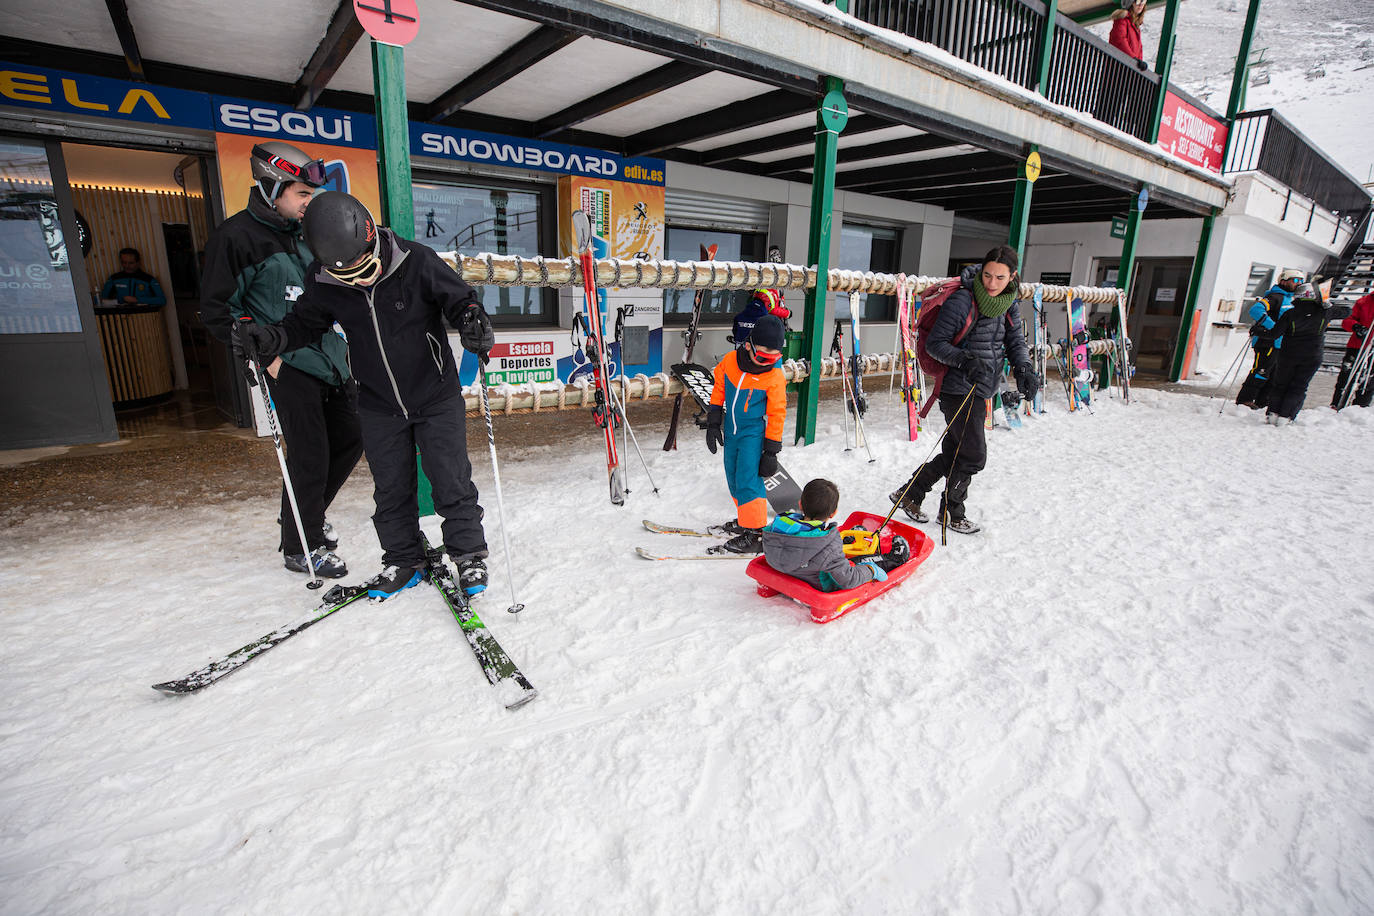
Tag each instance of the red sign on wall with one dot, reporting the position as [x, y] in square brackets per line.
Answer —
[1191, 135]
[393, 22]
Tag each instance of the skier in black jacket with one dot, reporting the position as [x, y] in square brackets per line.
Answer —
[255, 269]
[1303, 329]
[390, 296]
[988, 296]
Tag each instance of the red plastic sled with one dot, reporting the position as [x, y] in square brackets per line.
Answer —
[826, 606]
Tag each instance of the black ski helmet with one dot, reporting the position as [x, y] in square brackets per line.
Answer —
[339, 230]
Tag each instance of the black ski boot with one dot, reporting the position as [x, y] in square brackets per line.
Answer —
[731, 528]
[749, 540]
[912, 507]
[898, 554]
[327, 563]
[393, 579]
[472, 576]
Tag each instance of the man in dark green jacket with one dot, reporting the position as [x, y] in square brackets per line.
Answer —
[255, 271]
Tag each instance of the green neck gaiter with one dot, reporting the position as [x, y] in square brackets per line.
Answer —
[993, 306]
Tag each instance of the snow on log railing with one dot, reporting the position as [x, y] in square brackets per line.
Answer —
[487, 269]
[619, 273]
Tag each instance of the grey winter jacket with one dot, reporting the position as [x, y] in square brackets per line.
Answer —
[986, 340]
[812, 552]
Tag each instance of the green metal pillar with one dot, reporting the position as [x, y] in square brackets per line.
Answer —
[1042, 69]
[831, 118]
[1127, 267]
[393, 176]
[1026, 173]
[1238, 81]
[393, 138]
[1190, 306]
[1164, 63]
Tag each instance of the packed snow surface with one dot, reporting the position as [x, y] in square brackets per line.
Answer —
[1145, 687]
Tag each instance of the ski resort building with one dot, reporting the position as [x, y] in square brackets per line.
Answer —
[902, 136]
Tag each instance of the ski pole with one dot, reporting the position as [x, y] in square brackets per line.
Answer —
[515, 606]
[619, 407]
[929, 455]
[1226, 378]
[1360, 366]
[261, 374]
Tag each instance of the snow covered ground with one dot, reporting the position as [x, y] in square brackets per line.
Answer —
[1146, 687]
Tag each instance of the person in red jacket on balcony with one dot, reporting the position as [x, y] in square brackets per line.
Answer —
[1126, 30]
[1358, 323]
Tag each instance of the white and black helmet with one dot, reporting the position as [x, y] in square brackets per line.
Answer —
[277, 164]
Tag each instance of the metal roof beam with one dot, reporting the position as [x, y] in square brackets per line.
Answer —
[911, 173]
[632, 90]
[801, 136]
[745, 113]
[339, 38]
[899, 147]
[128, 42]
[531, 49]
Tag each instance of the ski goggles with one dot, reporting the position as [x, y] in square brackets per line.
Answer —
[363, 272]
[764, 359]
[311, 173]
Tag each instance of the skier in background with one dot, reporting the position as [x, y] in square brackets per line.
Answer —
[431, 227]
[1265, 312]
[390, 296]
[747, 414]
[1303, 331]
[987, 293]
[1358, 323]
[762, 302]
[255, 268]
[808, 546]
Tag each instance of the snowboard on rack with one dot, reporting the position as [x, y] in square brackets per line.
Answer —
[1078, 352]
[784, 493]
[1038, 335]
[689, 342]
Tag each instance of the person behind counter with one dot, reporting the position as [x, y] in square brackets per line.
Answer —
[130, 285]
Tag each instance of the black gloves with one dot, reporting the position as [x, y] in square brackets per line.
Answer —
[975, 370]
[714, 434]
[768, 461]
[1140, 63]
[261, 342]
[1027, 383]
[1360, 331]
[474, 328]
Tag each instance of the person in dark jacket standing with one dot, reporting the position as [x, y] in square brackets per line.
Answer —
[255, 271]
[1303, 330]
[390, 296]
[131, 284]
[985, 303]
[1266, 342]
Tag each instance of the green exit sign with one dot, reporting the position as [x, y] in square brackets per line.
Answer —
[1118, 227]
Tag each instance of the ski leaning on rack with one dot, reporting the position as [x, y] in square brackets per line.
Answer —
[911, 385]
[603, 411]
[689, 342]
[513, 688]
[337, 598]
[1037, 404]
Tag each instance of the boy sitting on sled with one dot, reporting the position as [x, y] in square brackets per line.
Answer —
[808, 546]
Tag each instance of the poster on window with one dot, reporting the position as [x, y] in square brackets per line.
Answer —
[36, 291]
[348, 169]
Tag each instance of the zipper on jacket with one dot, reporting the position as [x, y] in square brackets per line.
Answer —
[734, 403]
[381, 348]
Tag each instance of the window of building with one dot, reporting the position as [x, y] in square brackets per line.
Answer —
[1261, 279]
[718, 306]
[487, 215]
[869, 248]
[37, 295]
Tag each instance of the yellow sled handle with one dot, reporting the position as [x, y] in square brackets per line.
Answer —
[859, 542]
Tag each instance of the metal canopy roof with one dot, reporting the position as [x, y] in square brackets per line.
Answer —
[533, 68]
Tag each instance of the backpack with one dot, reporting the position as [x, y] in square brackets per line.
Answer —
[925, 320]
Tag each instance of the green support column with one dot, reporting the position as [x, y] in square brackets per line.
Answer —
[1026, 173]
[1190, 306]
[1238, 81]
[1042, 70]
[831, 118]
[1164, 63]
[393, 138]
[393, 175]
[1127, 267]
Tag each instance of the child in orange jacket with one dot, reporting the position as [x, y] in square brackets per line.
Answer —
[748, 411]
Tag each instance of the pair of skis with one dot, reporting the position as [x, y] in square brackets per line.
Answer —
[513, 688]
[689, 340]
[911, 369]
[851, 375]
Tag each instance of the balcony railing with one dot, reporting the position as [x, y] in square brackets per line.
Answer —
[1263, 141]
[1004, 37]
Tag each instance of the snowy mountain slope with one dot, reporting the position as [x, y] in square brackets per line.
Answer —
[1321, 66]
[1148, 687]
